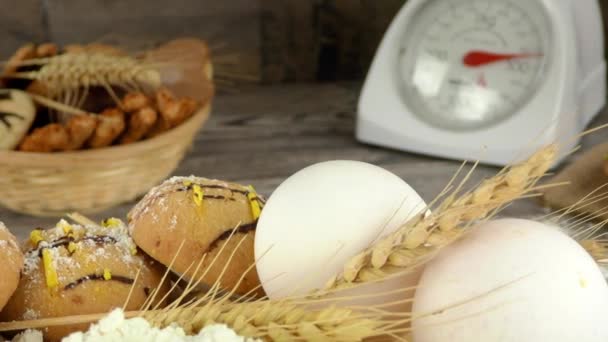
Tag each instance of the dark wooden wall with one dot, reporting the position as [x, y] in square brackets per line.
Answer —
[231, 27]
[269, 40]
[322, 39]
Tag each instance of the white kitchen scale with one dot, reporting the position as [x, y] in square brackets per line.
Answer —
[487, 80]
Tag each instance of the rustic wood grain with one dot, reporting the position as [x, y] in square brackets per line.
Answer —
[230, 27]
[290, 40]
[21, 22]
[264, 134]
[355, 28]
[322, 39]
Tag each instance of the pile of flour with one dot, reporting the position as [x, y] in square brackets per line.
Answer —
[115, 327]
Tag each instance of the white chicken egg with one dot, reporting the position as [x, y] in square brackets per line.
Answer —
[512, 280]
[322, 216]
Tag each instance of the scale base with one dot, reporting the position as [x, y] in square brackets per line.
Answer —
[371, 134]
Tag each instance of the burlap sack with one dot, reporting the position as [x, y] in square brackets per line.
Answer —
[585, 175]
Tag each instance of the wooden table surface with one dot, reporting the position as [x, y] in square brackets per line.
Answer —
[262, 135]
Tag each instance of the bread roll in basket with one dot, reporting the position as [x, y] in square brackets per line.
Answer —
[92, 180]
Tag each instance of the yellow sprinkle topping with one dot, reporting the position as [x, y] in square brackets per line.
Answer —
[66, 227]
[253, 203]
[133, 250]
[198, 194]
[71, 247]
[107, 275]
[36, 237]
[50, 273]
[67, 230]
[111, 222]
[187, 182]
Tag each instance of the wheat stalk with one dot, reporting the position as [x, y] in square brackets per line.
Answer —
[89, 69]
[273, 321]
[421, 237]
[277, 321]
[69, 76]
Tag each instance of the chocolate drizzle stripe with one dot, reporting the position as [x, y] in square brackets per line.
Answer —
[242, 229]
[238, 191]
[64, 241]
[97, 277]
[218, 197]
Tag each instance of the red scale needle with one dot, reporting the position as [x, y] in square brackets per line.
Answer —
[474, 59]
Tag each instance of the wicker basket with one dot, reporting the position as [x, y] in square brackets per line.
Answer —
[51, 184]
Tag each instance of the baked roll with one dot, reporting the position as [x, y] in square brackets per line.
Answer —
[10, 267]
[76, 270]
[212, 219]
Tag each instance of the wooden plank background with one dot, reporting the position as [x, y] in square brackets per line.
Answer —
[231, 27]
[322, 39]
[273, 40]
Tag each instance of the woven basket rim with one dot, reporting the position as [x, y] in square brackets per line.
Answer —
[112, 152]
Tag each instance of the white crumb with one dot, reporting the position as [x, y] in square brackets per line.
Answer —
[115, 327]
[30, 314]
[28, 336]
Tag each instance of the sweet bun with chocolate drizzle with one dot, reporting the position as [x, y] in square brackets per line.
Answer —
[211, 218]
[76, 270]
[10, 267]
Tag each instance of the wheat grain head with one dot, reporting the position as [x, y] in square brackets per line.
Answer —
[421, 237]
[70, 71]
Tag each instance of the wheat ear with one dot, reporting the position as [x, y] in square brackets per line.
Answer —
[283, 320]
[273, 321]
[277, 321]
[418, 239]
[66, 73]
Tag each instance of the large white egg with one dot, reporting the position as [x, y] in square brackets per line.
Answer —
[322, 216]
[516, 281]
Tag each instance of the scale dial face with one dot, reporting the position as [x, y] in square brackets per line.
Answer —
[469, 64]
